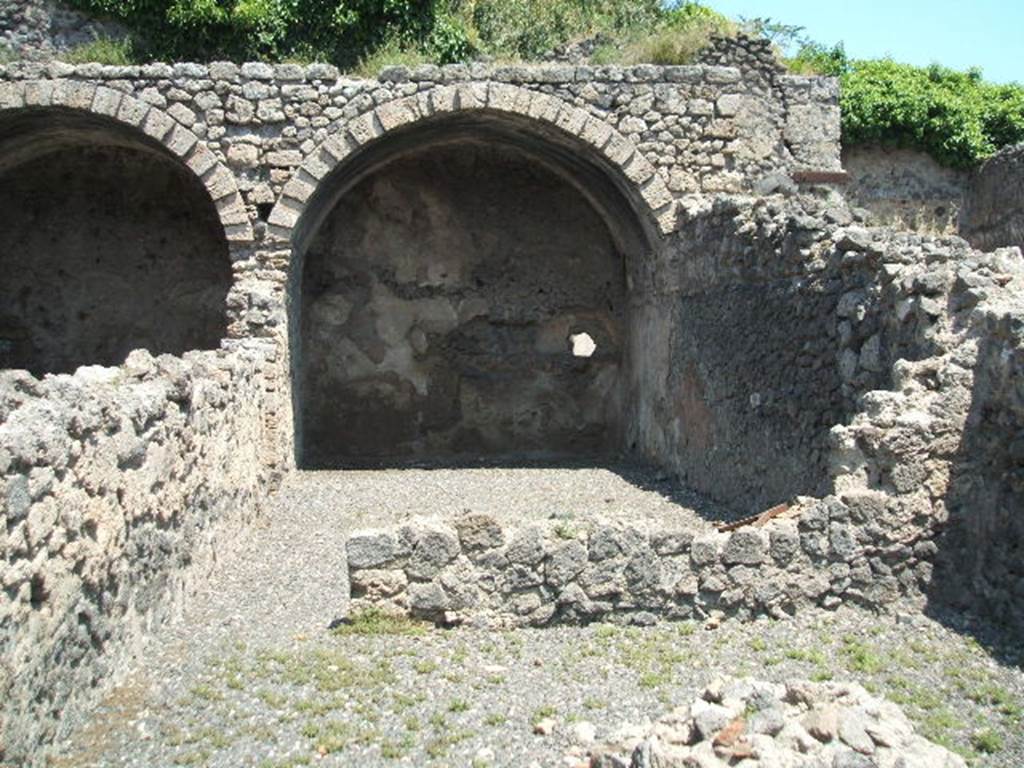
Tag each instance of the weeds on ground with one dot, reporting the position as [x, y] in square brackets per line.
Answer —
[374, 621]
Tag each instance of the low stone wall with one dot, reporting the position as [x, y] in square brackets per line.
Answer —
[474, 569]
[116, 482]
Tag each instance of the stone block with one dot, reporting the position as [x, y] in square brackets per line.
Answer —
[243, 155]
[479, 532]
[257, 71]
[283, 158]
[746, 546]
[427, 598]
[432, 549]
[565, 563]
[671, 542]
[526, 547]
[378, 584]
[704, 550]
[370, 549]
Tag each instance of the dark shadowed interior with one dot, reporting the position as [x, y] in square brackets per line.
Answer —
[109, 244]
[460, 301]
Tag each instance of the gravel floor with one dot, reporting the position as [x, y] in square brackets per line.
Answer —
[253, 676]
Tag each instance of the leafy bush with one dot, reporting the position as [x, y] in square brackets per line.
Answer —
[341, 32]
[956, 117]
[391, 53]
[816, 59]
[354, 32]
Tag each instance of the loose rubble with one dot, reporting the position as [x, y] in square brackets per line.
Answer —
[799, 724]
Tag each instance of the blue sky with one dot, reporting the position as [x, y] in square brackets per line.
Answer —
[961, 34]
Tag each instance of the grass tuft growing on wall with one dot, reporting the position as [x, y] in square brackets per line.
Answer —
[103, 50]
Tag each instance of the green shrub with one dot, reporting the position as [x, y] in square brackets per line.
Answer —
[816, 59]
[955, 116]
[986, 741]
[354, 32]
[102, 51]
[341, 32]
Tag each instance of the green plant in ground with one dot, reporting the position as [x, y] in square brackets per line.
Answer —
[986, 741]
[103, 50]
[458, 705]
[543, 712]
[394, 750]
[374, 621]
[206, 692]
[288, 762]
[332, 736]
[425, 666]
[862, 657]
[566, 530]
[439, 746]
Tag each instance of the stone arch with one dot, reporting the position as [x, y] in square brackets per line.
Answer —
[122, 231]
[155, 123]
[633, 174]
[581, 155]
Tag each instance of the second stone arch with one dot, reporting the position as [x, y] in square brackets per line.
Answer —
[443, 271]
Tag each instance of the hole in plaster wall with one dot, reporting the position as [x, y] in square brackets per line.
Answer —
[582, 344]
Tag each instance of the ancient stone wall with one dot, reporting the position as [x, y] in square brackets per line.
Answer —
[747, 287]
[921, 472]
[40, 29]
[904, 188]
[118, 486]
[155, 458]
[993, 213]
[760, 354]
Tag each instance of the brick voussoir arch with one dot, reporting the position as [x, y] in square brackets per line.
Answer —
[618, 152]
[152, 121]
